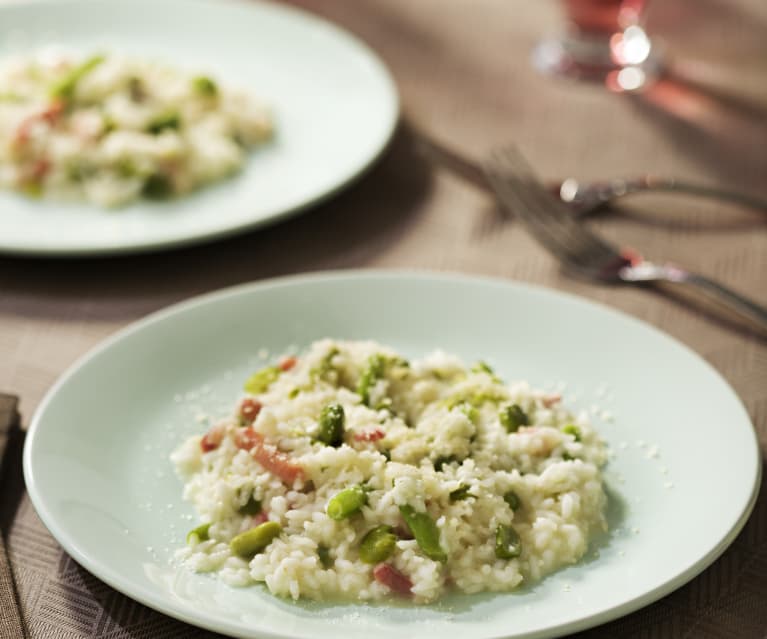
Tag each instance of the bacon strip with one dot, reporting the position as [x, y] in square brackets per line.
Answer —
[393, 579]
[267, 455]
[50, 115]
[212, 439]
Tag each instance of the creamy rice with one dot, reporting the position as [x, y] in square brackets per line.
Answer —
[504, 482]
[110, 129]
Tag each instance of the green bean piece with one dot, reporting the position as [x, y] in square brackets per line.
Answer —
[377, 545]
[199, 534]
[157, 186]
[324, 554]
[512, 417]
[507, 543]
[64, 89]
[572, 429]
[325, 366]
[205, 86]
[425, 532]
[347, 502]
[512, 499]
[253, 541]
[252, 507]
[460, 493]
[261, 380]
[331, 425]
[374, 371]
[168, 120]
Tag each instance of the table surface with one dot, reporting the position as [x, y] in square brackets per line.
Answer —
[465, 80]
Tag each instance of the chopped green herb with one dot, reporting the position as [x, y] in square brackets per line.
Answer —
[251, 507]
[440, 461]
[324, 554]
[512, 417]
[512, 499]
[460, 493]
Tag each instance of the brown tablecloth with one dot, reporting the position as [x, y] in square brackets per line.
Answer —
[463, 72]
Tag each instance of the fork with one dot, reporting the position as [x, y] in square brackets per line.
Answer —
[551, 222]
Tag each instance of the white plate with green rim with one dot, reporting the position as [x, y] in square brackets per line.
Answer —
[334, 103]
[97, 468]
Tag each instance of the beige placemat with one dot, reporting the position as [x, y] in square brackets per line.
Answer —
[463, 72]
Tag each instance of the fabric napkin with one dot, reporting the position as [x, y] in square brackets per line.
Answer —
[10, 615]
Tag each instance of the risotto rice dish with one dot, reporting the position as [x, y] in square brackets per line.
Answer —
[350, 473]
[110, 129]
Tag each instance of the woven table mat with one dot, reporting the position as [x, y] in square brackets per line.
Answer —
[463, 73]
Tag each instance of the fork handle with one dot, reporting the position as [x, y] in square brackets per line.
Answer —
[713, 291]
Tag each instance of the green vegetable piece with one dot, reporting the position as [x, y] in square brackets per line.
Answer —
[512, 417]
[331, 425]
[471, 412]
[507, 543]
[260, 381]
[157, 186]
[294, 393]
[512, 499]
[205, 86]
[252, 507]
[377, 545]
[325, 366]
[440, 462]
[567, 457]
[347, 502]
[168, 120]
[375, 370]
[196, 535]
[482, 367]
[64, 89]
[324, 554]
[253, 541]
[425, 532]
[572, 429]
[460, 493]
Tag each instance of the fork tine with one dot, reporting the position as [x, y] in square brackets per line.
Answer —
[549, 219]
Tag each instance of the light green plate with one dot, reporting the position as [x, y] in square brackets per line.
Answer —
[334, 104]
[682, 481]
